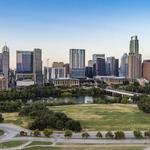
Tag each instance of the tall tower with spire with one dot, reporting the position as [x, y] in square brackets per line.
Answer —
[5, 62]
[135, 59]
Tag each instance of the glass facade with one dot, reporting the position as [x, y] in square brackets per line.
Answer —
[24, 62]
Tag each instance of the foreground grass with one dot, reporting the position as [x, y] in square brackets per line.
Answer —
[40, 143]
[89, 148]
[107, 116]
[12, 144]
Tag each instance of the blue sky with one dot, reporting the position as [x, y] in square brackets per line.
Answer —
[99, 26]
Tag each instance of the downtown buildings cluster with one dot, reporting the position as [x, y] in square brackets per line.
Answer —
[29, 70]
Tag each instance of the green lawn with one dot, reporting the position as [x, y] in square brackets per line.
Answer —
[107, 116]
[12, 144]
[40, 143]
[89, 148]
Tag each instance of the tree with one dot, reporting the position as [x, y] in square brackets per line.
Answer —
[68, 134]
[85, 135]
[1, 118]
[138, 134]
[147, 133]
[37, 132]
[99, 135]
[144, 103]
[109, 134]
[119, 135]
[73, 125]
[23, 133]
[48, 132]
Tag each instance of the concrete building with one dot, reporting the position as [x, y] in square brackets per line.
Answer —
[124, 66]
[57, 64]
[3, 83]
[90, 63]
[66, 82]
[89, 72]
[146, 69]
[66, 66]
[135, 59]
[112, 66]
[37, 66]
[77, 63]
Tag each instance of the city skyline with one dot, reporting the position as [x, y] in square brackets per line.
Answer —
[99, 26]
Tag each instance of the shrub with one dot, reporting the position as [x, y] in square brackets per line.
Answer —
[85, 135]
[147, 134]
[144, 103]
[23, 133]
[119, 135]
[109, 134]
[68, 134]
[137, 134]
[37, 132]
[99, 135]
[48, 132]
[1, 118]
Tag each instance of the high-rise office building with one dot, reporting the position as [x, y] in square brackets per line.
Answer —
[95, 56]
[99, 65]
[5, 61]
[24, 62]
[89, 72]
[90, 63]
[77, 63]
[4, 65]
[124, 65]
[37, 66]
[146, 69]
[112, 66]
[134, 60]
[29, 67]
[57, 64]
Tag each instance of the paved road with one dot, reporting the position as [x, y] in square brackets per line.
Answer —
[12, 130]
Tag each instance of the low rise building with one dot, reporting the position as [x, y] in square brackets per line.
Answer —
[67, 82]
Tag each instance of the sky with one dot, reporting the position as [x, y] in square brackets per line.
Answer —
[55, 26]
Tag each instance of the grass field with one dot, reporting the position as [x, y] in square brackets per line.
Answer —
[89, 148]
[96, 116]
[107, 116]
[12, 144]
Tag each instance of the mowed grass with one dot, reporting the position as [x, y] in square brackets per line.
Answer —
[107, 116]
[16, 119]
[89, 148]
[12, 144]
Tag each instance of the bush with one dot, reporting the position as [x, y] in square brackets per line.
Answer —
[73, 125]
[68, 134]
[85, 135]
[99, 135]
[109, 134]
[144, 103]
[47, 132]
[37, 132]
[119, 135]
[147, 134]
[23, 133]
[1, 118]
[137, 134]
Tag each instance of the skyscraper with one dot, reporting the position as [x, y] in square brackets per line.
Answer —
[5, 61]
[99, 65]
[77, 63]
[146, 69]
[112, 66]
[29, 67]
[135, 59]
[37, 66]
[124, 65]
